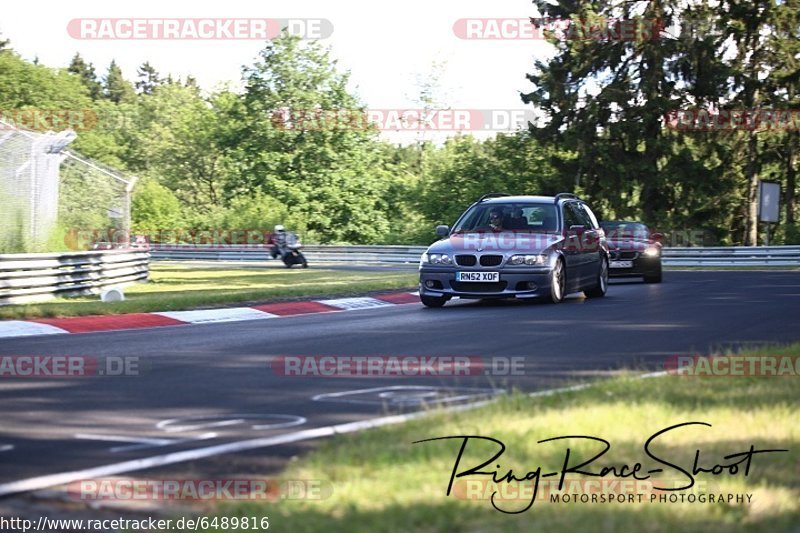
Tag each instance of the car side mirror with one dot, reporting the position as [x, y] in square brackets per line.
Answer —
[657, 237]
[442, 230]
[577, 229]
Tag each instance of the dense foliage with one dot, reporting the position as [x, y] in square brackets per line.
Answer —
[230, 159]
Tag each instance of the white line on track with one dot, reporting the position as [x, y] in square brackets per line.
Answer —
[275, 421]
[115, 438]
[352, 396]
[221, 424]
[42, 482]
[141, 443]
[134, 447]
[6, 447]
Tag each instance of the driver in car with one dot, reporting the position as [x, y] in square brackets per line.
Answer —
[496, 219]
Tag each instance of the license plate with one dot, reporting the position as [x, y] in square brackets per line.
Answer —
[478, 276]
[621, 264]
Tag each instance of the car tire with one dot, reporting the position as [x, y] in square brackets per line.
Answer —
[432, 301]
[558, 283]
[653, 278]
[599, 290]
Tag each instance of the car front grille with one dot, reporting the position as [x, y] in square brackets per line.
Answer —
[617, 255]
[491, 260]
[466, 260]
[466, 286]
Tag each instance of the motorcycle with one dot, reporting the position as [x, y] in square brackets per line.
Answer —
[287, 245]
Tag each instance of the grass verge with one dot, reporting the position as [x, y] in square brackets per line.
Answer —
[174, 288]
[382, 482]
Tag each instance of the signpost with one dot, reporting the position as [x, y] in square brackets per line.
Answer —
[769, 194]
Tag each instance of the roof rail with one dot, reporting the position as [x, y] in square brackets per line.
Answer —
[491, 195]
[561, 195]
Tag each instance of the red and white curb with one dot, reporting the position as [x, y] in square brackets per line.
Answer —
[88, 324]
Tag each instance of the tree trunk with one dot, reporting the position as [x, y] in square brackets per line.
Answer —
[791, 181]
[652, 79]
[751, 237]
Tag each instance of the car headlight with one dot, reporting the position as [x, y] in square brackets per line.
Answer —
[437, 259]
[652, 251]
[527, 260]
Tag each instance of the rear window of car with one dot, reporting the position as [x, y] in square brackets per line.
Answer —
[517, 217]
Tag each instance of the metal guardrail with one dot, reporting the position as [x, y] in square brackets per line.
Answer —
[733, 256]
[321, 253]
[692, 256]
[35, 277]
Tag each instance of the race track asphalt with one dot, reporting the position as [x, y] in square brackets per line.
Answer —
[220, 376]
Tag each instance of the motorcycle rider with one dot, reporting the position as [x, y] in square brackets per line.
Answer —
[286, 245]
[278, 240]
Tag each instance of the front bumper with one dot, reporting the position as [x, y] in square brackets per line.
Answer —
[642, 266]
[512, 284]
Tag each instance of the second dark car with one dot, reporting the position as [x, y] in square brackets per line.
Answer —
[633, 250]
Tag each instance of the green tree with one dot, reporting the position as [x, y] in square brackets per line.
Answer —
[116, 87]
[40, 89]
[605, 99]
[783, 90]
[148, 80]
[155, 208]
[85, 71]
[744, 24]
[466, 168]
[180, 141]
[257, 212]
[114, 139]
[331, 174]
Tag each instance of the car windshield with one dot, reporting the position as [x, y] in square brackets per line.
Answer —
[516, 217]
[625, 230]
